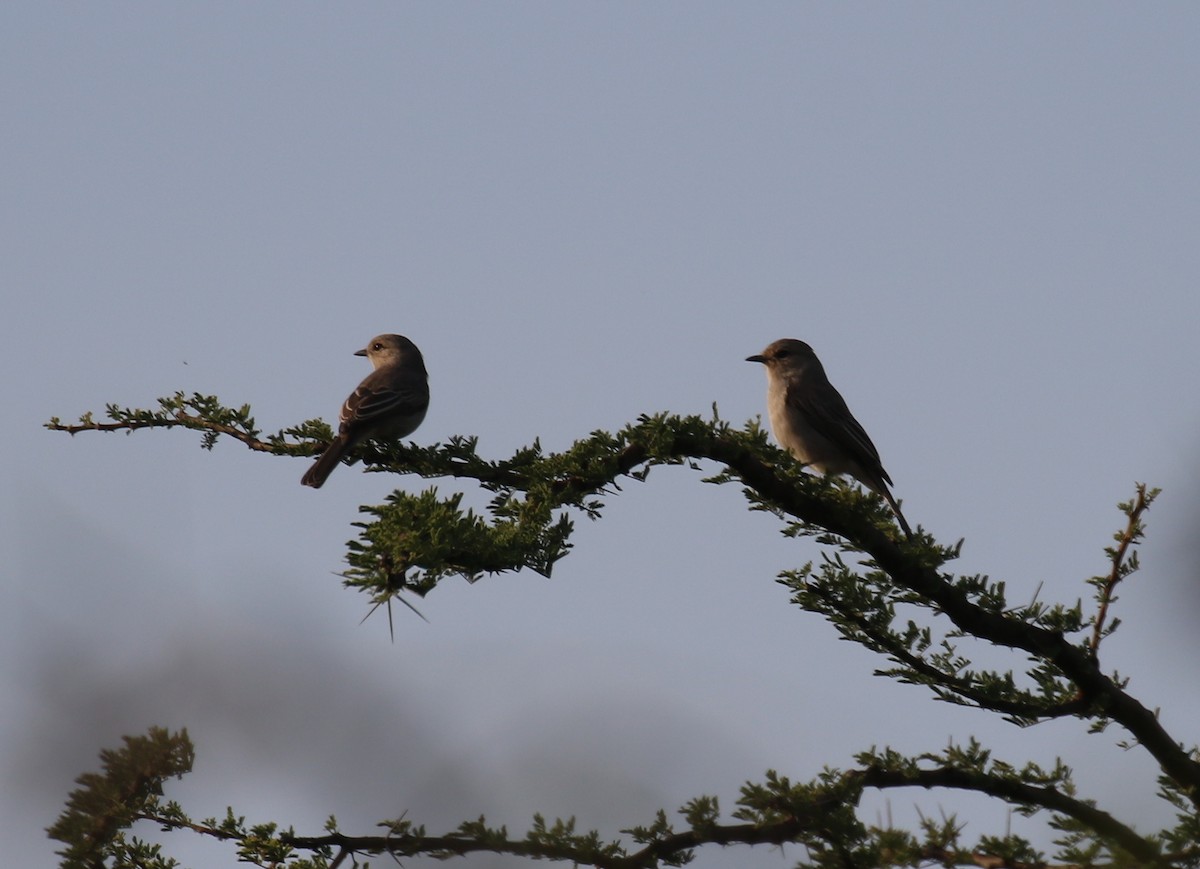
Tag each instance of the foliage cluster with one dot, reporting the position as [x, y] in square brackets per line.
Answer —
[889, 594]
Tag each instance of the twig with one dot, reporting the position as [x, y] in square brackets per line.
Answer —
[1132, 533]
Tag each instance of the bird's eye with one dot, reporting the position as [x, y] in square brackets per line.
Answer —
[378, 345]
[782, 354]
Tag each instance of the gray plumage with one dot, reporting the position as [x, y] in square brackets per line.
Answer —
[810, 420]
[389, 404]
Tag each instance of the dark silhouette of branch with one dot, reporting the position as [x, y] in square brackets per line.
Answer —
[1018, 792]
[1119, 556]
[662, 439]
[176, 419]
[795, 824]
[527, 534]
[1078, 665]
[963, 688]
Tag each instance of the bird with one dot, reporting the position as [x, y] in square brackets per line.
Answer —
[390, 403]
[811, 421]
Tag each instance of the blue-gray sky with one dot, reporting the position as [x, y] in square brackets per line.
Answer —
[985, 218]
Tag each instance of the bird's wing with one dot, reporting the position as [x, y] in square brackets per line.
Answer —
[385, 393]
[826, 411]
[368, 404]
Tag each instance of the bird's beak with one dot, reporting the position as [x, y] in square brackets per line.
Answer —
[756, 358]
[362, 352]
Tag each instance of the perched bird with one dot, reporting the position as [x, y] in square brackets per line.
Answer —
[390, 403]
[811, 421]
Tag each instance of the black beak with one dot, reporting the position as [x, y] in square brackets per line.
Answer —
[762, 359]
[362, 352]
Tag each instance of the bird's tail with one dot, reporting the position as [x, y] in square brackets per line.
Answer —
[896, 509]
[323, 467]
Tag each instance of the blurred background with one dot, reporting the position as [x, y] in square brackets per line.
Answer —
[984, 218]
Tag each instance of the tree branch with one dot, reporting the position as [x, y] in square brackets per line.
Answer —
[797, 819]
[905, 567]
[950, 683]
[1013, 791]
[592, 467]
[1121, 565]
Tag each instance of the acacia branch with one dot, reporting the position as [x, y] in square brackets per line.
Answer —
[196, 412]
[1119, 556]
[1020, 793]
[897, 560]
[949, 682]
[603, 458]
[819, 815]
[794, 823]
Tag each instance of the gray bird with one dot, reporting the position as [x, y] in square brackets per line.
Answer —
[389, 404]
[811, 421]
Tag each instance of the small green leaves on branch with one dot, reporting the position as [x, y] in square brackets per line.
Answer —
[129, 789]
[205, 414]
[819, 814]
[1124, 562]
[888, 593]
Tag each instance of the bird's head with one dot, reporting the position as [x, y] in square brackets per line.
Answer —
[389, 350]
[786, 354]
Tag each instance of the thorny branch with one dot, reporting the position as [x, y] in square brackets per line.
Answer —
[1133, 532]
[664, 439]
[910, 564]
